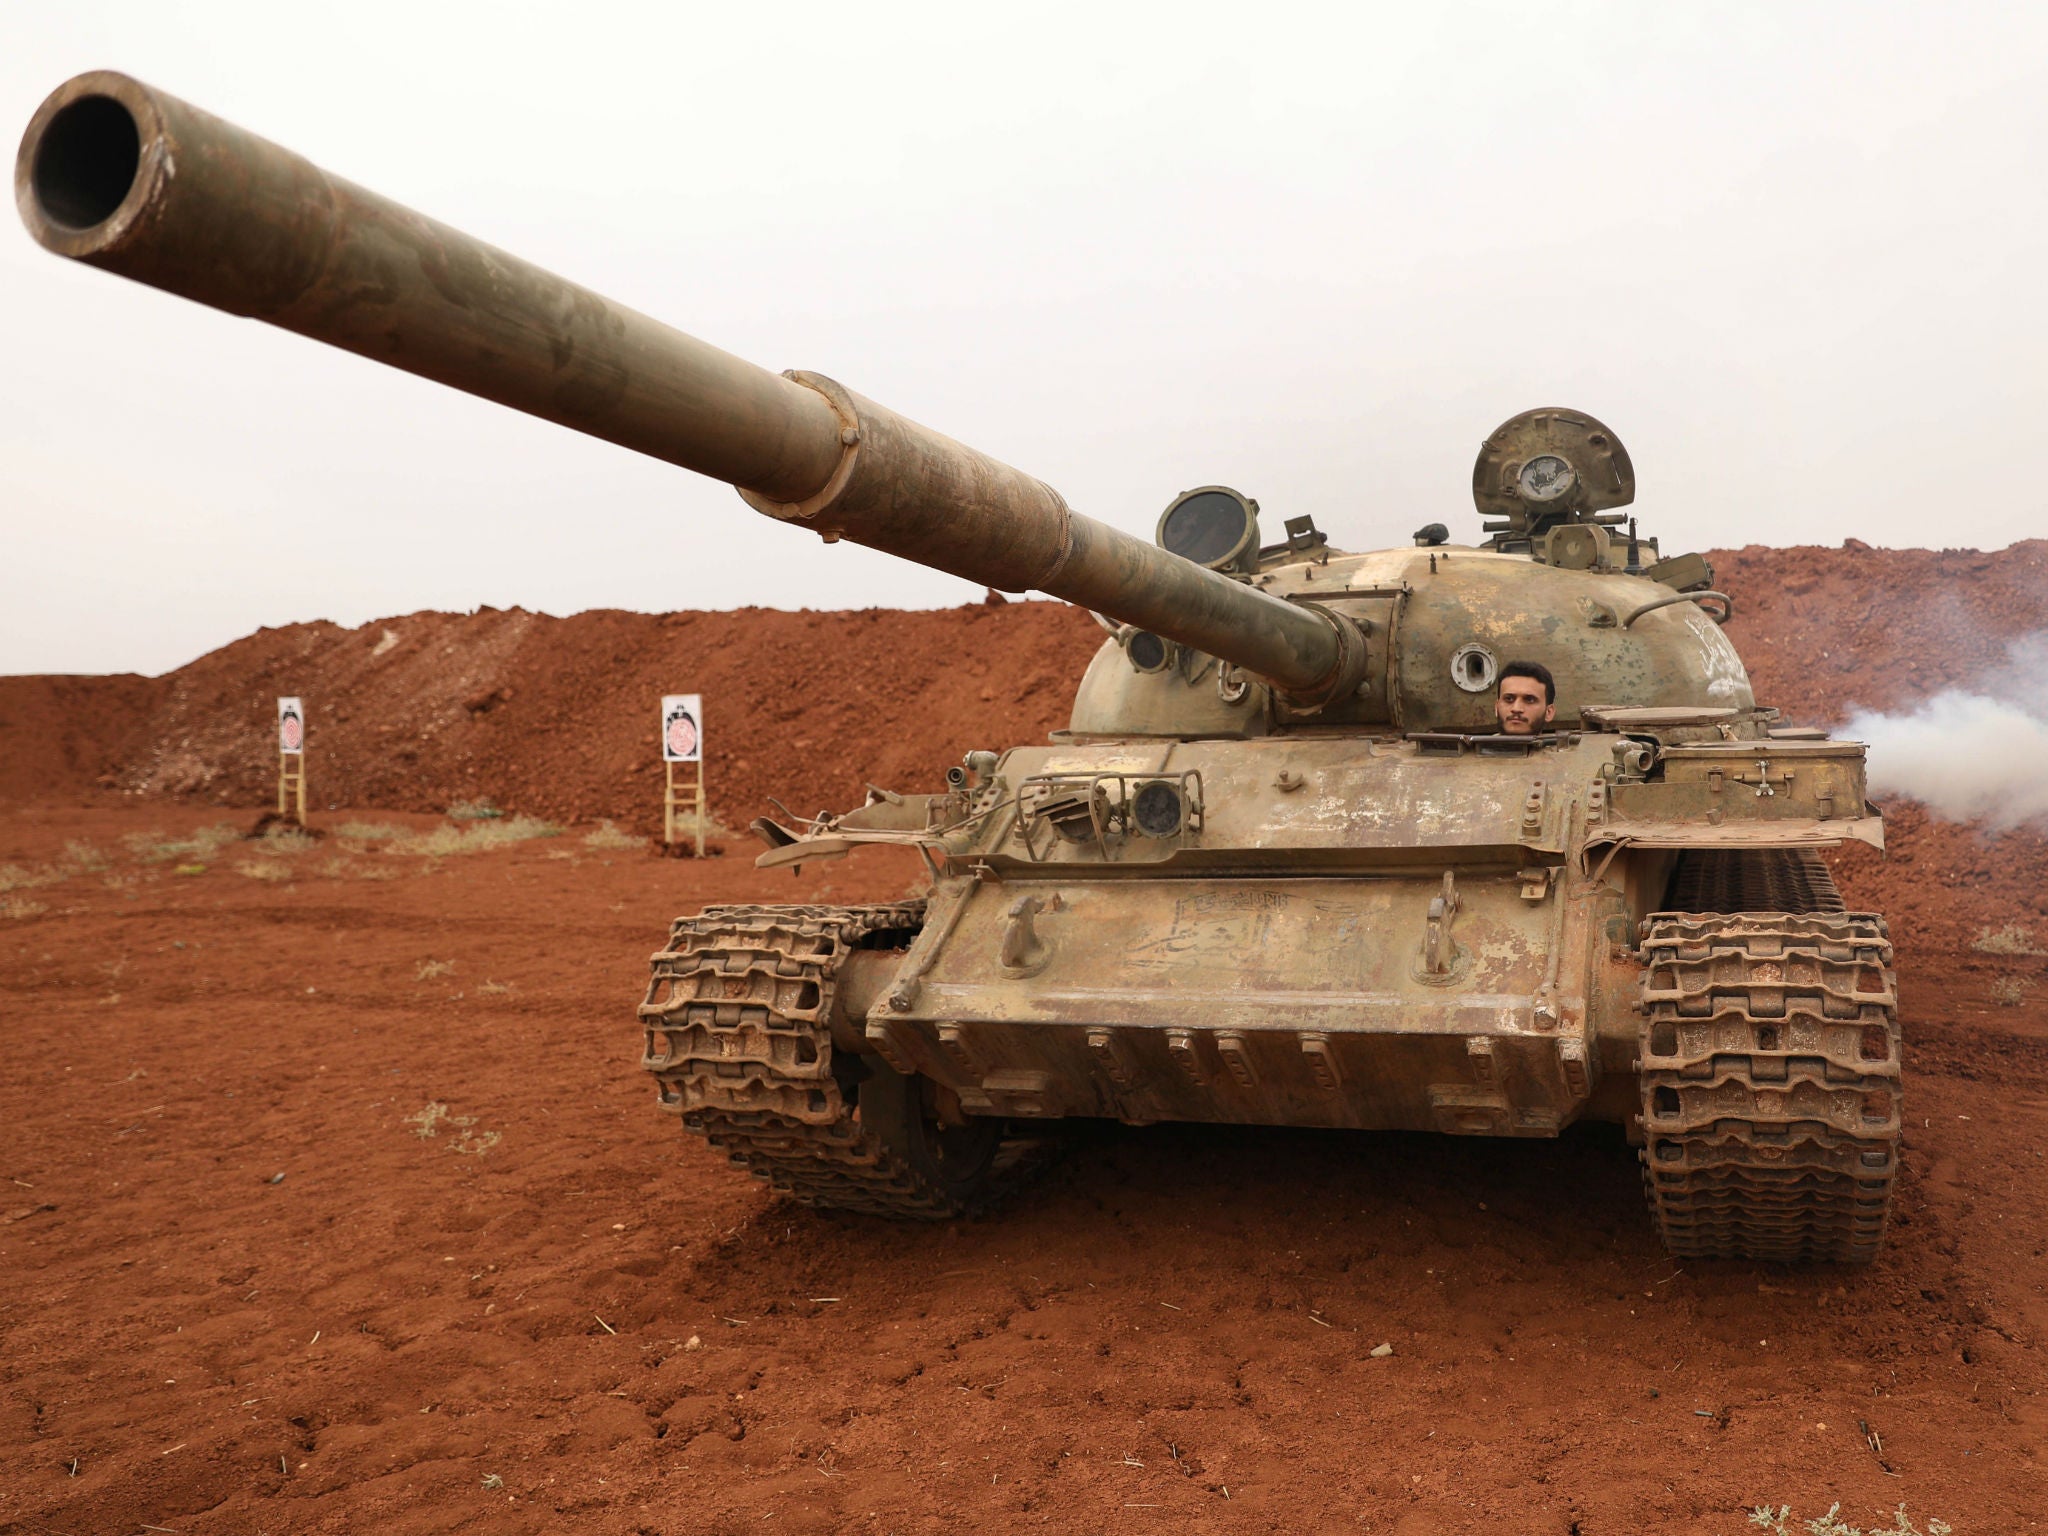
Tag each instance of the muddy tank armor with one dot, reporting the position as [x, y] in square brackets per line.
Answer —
[1280, 869]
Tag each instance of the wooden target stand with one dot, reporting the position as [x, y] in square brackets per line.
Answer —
[291, 786]
[686, 795]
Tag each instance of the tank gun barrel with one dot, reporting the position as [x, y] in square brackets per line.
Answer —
[117, 174]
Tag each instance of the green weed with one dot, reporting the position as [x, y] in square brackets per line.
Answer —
[428, 1122]
[1778, 1523]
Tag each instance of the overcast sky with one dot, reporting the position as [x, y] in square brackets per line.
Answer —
[1792, 253]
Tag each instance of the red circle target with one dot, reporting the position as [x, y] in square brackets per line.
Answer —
[682, 736]
[289, 732]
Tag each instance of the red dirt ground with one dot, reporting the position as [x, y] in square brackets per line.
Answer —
[1170, 1331]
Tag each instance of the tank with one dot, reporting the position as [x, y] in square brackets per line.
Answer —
[1284, 867]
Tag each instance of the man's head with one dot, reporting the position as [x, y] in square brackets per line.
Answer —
[1527, 700]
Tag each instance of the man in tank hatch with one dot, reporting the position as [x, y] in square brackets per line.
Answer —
[1527, 700]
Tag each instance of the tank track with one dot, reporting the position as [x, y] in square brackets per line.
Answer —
[1752, 880]
[738, 1036]
[1771, 1084]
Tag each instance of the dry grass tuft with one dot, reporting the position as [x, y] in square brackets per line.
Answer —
[477, 837]
[81, 855]
[20, 907]
[498, 989]
[433, 970]
[714, 830]
[2012, 939]
[368, 832]
[204, 843]
[474, 810]
[2011, 990]
[264, 869]
[341, 867]
[289, 841]
[605, 835]
[14, 878]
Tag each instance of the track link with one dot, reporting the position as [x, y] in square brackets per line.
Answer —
[1770, 1079]
[737, 1020]
[1752, 880]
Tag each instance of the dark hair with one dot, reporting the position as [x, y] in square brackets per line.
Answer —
[1536, 671]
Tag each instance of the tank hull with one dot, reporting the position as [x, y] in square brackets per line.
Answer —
[1378, 934]
[1280, 1001]
[1462, 933]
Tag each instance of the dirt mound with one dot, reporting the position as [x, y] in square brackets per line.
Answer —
[1824, 630]
[557, 717]
[61, 736]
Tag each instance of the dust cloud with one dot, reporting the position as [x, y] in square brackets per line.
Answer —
[1978, 754]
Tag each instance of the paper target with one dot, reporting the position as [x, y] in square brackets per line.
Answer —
[682, 728]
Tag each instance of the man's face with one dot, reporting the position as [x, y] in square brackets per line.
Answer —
[1522, 709]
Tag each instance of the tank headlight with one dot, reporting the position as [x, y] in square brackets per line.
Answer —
[1158, 809]
[1212, 525]
[1147, 652]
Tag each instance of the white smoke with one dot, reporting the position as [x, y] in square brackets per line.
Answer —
[1970, 754]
